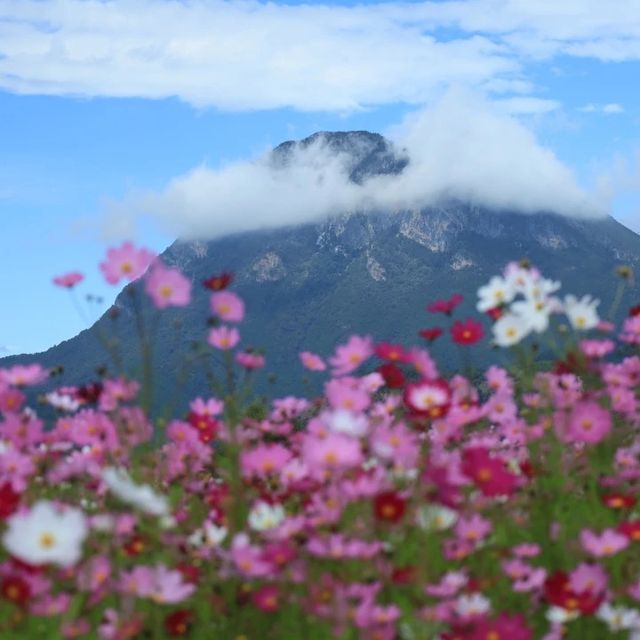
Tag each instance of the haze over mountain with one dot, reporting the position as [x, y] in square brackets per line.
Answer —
[368, 270]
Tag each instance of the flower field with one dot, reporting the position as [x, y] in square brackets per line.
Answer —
[404, 503]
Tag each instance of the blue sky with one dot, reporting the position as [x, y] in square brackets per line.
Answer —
[92, 112]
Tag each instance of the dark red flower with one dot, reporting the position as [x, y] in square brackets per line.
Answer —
[15, 589]
[445, 306]
[206, 425]
[618, 501]
[404, 575]
[489, 474]
[631, 529]
[266, 598]
[135, 546]
[391, 352]
[189, 572]
[634, 311]
[218, 282]
[431, 334]
[89, 393]
[177, 623]
[9, 501]
[393, 376]
[389, 506]
[496, 313]
[557, 591]
[468, 331]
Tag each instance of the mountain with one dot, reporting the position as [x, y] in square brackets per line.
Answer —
[311, 286]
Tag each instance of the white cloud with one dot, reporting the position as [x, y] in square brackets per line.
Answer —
[463, 148]
[608, 109]
[245, 54]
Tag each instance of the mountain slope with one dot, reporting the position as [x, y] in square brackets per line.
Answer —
[310, 286]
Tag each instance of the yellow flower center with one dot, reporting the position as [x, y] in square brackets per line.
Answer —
[47, 540]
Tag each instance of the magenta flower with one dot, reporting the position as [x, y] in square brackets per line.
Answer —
[250, 360]
[167, 287]
[224, 337]
[68, 280]
[228, 306]
[125, 262]
[588, 422]
[608, 543]
[588, 577]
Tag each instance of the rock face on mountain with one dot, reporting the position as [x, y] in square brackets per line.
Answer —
[311, 286]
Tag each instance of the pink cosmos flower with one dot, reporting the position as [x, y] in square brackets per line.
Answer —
[347, 393]
[335, 451]
[264, 459]
[209, 407]
[608, 543]
[596, 348]
[228, 306]
[125, 262]
[473, 528]
[250, 360]
[167, 287]
[23, 375]
[631, 330]
[224, 337]
[312, 361]
[588, 422]
[588, 577]
[350, 356]
[68, 280]
[248, 559]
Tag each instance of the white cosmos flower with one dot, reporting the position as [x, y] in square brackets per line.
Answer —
[436, 518]
[510, 329]
[62, 401]
[342, 421]
[265, 516]
[141, 496]
[534, 312]
[46, 534]
[582, 313]
[498, 291]
[473, 604]
[618, 618]
[558, 615]
[209, 535]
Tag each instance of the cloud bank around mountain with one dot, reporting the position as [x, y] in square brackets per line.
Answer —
[463, 148]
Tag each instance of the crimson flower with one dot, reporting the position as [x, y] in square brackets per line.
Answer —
[266, 598]
[504, 626]
[468, 331]
[135, 546]
[9, 501]
[496, 313]
[489, 474]
[445, 306]
[558, 592]
[634, 311]
[218, 282]
[392, 352]
[178, 623]
[15, 589]
[431, 334]
[631, 529]
[206, 425]
[393, 376]
[618, 501]
[389, 506]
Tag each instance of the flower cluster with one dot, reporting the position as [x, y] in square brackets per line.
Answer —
[401, 503]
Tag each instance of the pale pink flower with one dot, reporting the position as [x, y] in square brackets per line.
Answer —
[473, 528]
[23, 375]
[607, 543]
[348, 357]
[631, 330]
[208, 407]
[167, 287]
[596, 348]
[312, 361]
[125, 262]
[264, 459]
[228, 306]
[335, 451]
[224, 337]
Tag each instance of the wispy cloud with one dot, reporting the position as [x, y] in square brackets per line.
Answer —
[463, 148]
[245, 54]
[611, 108]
